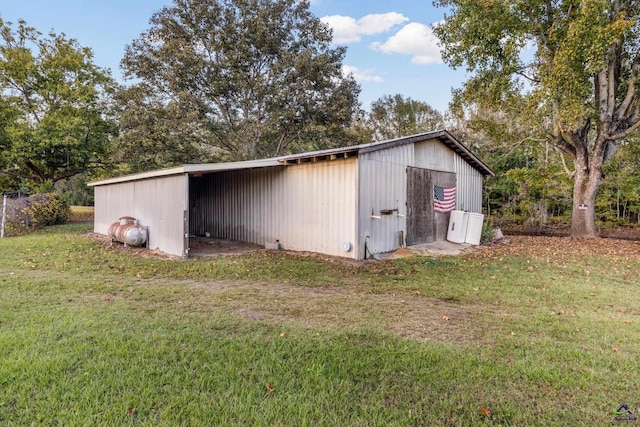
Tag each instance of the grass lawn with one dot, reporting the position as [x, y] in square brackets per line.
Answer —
[81, 213]
[539, 331]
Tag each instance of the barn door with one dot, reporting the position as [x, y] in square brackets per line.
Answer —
[420, 225]
[424, 225]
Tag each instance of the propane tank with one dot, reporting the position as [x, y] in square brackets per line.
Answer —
[127, 231]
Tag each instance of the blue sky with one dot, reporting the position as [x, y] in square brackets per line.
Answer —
[390, 48]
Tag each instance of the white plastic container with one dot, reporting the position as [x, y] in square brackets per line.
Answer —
[474, 228]
[457, 226]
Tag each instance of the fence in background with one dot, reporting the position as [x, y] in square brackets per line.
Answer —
[5, 206]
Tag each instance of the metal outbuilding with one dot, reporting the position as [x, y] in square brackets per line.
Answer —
[335, 202]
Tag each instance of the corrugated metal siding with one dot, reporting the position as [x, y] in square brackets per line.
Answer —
[157, 203]
[233, 205]
[112, 202]
[434, 155]
[306, 207]
[382, 180]
[383, 185]
[468, 187]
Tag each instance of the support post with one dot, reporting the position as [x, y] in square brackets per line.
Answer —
[4, 215]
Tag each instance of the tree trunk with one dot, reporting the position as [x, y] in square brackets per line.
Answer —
[586, 183]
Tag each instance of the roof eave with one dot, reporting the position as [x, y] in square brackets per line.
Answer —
[442, 135]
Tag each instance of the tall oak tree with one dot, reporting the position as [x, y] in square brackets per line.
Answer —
[244, 79]
[569, 68]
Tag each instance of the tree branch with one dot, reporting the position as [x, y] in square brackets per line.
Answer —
[25, 94]
[612, 84]
[570, 173]
[625, 133]
[68, 174]
[631, 90]
[38, 171]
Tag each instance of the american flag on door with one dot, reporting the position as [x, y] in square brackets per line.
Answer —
[444, 199]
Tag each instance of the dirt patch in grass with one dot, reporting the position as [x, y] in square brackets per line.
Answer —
[409, 315]
[353, 298]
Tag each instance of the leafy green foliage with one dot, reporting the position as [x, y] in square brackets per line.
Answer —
[53, 115]
[488, 232]
[395, 117]
[566, 71]
[233, 80]
[37, 211]
[618, 202]
[75, 191]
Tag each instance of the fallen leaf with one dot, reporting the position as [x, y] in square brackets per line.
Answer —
[269, 388]
[485, 411]
[282, 334]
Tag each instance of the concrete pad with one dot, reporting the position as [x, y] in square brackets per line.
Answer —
[441, 248]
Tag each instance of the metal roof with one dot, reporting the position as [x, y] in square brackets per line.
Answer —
[311, 156]
[191, 168]
[442, 135]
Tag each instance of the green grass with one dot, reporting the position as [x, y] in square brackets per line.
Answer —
[90, 335]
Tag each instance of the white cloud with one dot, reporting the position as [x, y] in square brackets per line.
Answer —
[413, 39]
[362, 75]
[349, 30]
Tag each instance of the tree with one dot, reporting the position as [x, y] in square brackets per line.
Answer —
[618, 201]
[248, 78]
[568, 68]
[154, 133]
[53, 122]
[394, 117]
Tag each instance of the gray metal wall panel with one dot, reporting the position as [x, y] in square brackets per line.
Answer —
[434, 155]
[382, 179]
[468, 187]
[157, 203]
[112, 202]
[319, 207]
[383, 185]
[307, 207]
[160, 205]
